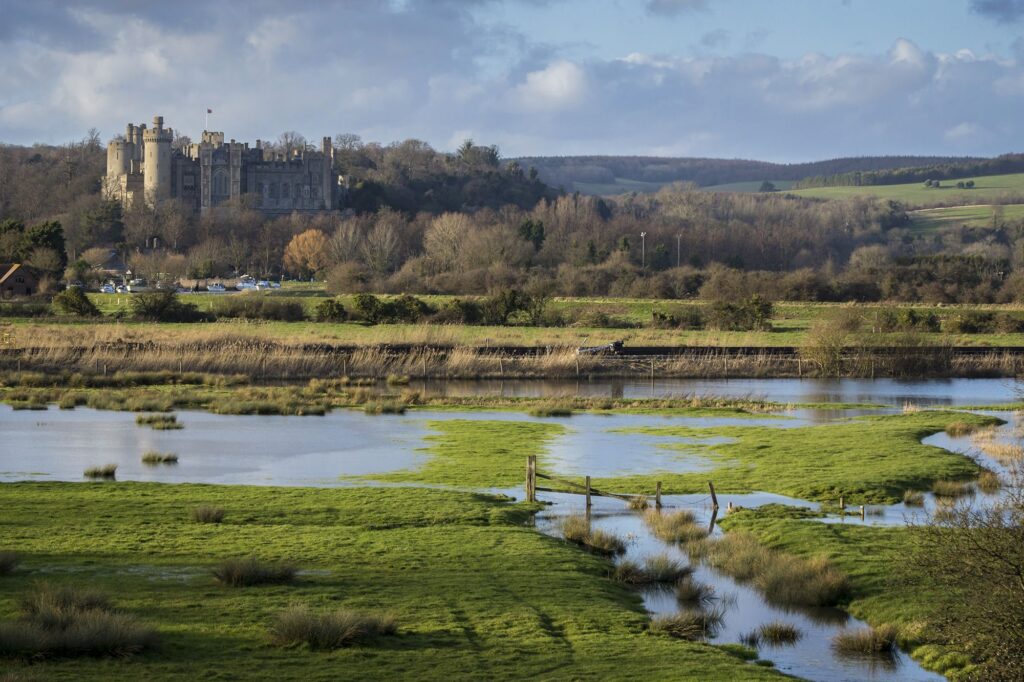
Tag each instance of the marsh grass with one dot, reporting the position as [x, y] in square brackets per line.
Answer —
[251, 571]
[952, 489]
[958, 429]
[551, 411]
[397, 380]
[206, 513]
[384, 408]
[159, 422]
[678, 526]
[913, 498]
[659, 568]
[989, 482]
[299, 625]
[154, 458]
[690, 624]
[576, 528]
[694, 593]
[8, 562]
[107, 472]
[778, 633]
[784, 579]
[866, 642]
[638, 503]
[64, 621]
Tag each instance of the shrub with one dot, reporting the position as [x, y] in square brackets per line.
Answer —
[258, 307]
[754, 314]
[107, 471]
[684, 317]
[331, 310]
[458, 311]
[251, 571]
[153, 458]
[206, 513]
[369, 308]
[299, 625]
[8, 562]
[866, 641]
[164, 306]
[74, 301]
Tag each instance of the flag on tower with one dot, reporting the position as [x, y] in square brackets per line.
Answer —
[209, 111]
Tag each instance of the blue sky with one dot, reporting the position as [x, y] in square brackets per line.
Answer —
[781, 80]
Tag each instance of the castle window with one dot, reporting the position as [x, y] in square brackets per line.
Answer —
[284, 190]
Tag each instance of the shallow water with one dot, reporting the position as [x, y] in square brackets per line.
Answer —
[321, 451]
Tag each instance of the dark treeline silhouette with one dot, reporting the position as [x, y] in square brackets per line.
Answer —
[947, 170]
[566, 171]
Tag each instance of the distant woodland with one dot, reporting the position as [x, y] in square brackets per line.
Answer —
[423, 221]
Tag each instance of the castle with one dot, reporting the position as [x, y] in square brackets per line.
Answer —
[142, 166]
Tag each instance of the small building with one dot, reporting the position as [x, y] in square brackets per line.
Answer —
[17, 280]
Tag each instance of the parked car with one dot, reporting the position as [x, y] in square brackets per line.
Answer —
[108, 288]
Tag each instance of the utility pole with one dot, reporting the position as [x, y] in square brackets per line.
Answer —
[643, 250]
[678, 238]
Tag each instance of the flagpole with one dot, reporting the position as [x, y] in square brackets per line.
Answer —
[206, 126]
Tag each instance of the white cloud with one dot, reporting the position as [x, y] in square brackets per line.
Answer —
[560, 85]
[962, 131]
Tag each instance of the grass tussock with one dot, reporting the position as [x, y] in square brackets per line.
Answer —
[153, 458]
[299, 625]
[783, 578]
[551, 411]
[576, 529]
[778, 633]
[952, 489]
[678, 526]
[659, 568]
[106, 472]
[638, 503]
[251, 571]
[958, 429]
[207, 513]
[913, 498]
[64, 621]
[8, 562]
[690, 624]
[866, 641]
[397, 380]
[160, 422]
[695, 594]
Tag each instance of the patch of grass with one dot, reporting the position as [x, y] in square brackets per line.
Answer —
[690, 624]
[159, 422]
[154, 458]
[107, 472]
[206, 513]
[778, 633]
[953, 489]
[958, 429]
[864, 642]
[63, 621]
[8, 562]
[576, 528]
[478, 593]
[384, 408]
[333, 630]
[251, 571]
[659, 568]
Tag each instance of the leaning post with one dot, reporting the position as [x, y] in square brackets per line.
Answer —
[657, 495]
[714, 497]
[588, 493]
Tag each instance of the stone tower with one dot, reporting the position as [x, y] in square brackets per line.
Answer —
[157, 162]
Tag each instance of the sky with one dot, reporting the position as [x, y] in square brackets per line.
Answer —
[778, 80]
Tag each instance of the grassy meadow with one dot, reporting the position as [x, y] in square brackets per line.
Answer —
[986, 188]
[981, 215]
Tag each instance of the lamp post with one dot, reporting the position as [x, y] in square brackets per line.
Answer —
[678, 238]
[643, 250]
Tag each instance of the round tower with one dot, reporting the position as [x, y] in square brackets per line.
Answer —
[157, 169]
[118, 157]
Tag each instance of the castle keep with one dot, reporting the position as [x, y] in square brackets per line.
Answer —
[142, 166]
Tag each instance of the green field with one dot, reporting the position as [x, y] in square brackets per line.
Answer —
[987, 188]
[625, 185]
[982, 215]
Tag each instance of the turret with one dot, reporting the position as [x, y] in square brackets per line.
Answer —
[157, 168]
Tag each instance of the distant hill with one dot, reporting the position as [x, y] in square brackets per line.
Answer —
[620, 174]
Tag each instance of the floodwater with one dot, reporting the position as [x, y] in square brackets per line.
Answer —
[322, 451]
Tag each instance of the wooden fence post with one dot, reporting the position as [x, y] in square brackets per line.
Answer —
[842, 503]
[714, 498]
[657, 495]
[531, 478]
[588, 493]
[862, 512]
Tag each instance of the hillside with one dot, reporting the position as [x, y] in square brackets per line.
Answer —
[621, 174]
[990, 188]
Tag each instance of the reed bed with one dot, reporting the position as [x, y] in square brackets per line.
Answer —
[678, 527]
[952, 489]
[690, 624]
[958, 429]
[866, 642]
[159, 422]
[989, 482]
[913, 498]
[576, 528]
